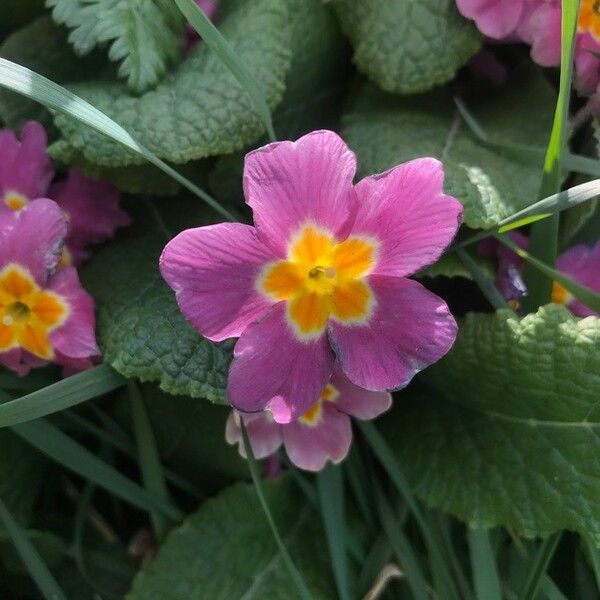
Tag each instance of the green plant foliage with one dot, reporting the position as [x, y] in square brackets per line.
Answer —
[16, 13]
[144, 36]
[408, 47]
[199, 109]
[140, 329]
[492, 183]
[51, 548]
[226, 550]
[451, 266]
[506, 430]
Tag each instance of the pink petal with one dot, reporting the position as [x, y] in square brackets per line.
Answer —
[310, 447]
[544, 30]
[290, 183]
[75, 340]
[495, 18]
[24, 165]
[92, 208]
[587, 64]
[213, 271]
[581, 263]
[273, 370]
[264, 434]
[406, 211]
[410, 329]
[356, 401]
[20, 361]
[33, 237]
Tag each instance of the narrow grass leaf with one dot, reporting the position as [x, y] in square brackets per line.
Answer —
[55, 97]
[75, 457]
[483, 566]
[486, 285]
[376, 559]
[35, 565]
[594, 555]
[287, 559]
[220, 46]
[149, 461]
[539, 566]
[58, 396]
[330, 487]
[586, 295]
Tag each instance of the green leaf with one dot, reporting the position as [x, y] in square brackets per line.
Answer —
[450, 265]
[226, 550]
[483, 565]
[145, 37]
[491, 182]
[408, 47]
[51, 548]
[200, 109]
[140, 329]
[506, 432]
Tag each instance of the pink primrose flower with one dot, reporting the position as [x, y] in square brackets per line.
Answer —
[497, 19]
[324, 269]
[322, 433]
[191, 38]
[92, 207]
[45, 314]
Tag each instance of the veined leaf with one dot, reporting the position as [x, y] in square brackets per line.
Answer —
[506, 431]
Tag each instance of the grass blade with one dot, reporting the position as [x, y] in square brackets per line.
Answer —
[586, 295]
[58, 396]
[287, 559]
[75, 457]
[483, 565]
[220, 46]
[149, 461]
[594, 555]
[539, 566]
[543, 239]
[486, 285]
[330, 487]
[37, 569]
[55, 97]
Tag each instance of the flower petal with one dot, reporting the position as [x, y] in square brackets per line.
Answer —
[272, 369]
[358, 402]
[410, 329]
[264, 434]
[495, 18]
[581, 263]
[33, 238]
[288, 184]
[25, 166]
[311, 446]
[214, 272]
[406, 211]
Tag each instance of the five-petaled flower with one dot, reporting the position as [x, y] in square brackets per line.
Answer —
[45, 314]
[91, 207]
[324, 270]
[322, 433]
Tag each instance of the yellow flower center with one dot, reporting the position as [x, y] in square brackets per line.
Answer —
[322, 278]
[14, 200]
[589, 18]
[312, 416]
[28, 313]
[560, 294]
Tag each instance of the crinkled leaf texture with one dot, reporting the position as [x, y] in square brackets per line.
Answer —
[492, 184]
[506, 431]
[199, 109]
[226, 550]
[144, 36]
[140, 328]
[406, 46]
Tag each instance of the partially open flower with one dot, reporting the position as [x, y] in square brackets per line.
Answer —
[324, 269]
[323, 433]
[45, 314]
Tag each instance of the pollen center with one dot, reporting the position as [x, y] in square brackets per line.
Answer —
[589, 18]
[28, 313]
[560, 294]
[321, 279]
[313, 415]
[15, 200]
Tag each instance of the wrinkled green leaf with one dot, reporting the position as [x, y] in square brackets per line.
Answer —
[226, 550]
[199, 109]
[492, 183]
[506, 430]
[405, 46]
[145, 37]
[140, 328]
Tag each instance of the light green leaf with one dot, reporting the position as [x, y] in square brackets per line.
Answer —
[405, 46]
[145, 37]
[226, 550]
[491, 182]
[506, 431]
[200, 109]
[140, 328]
